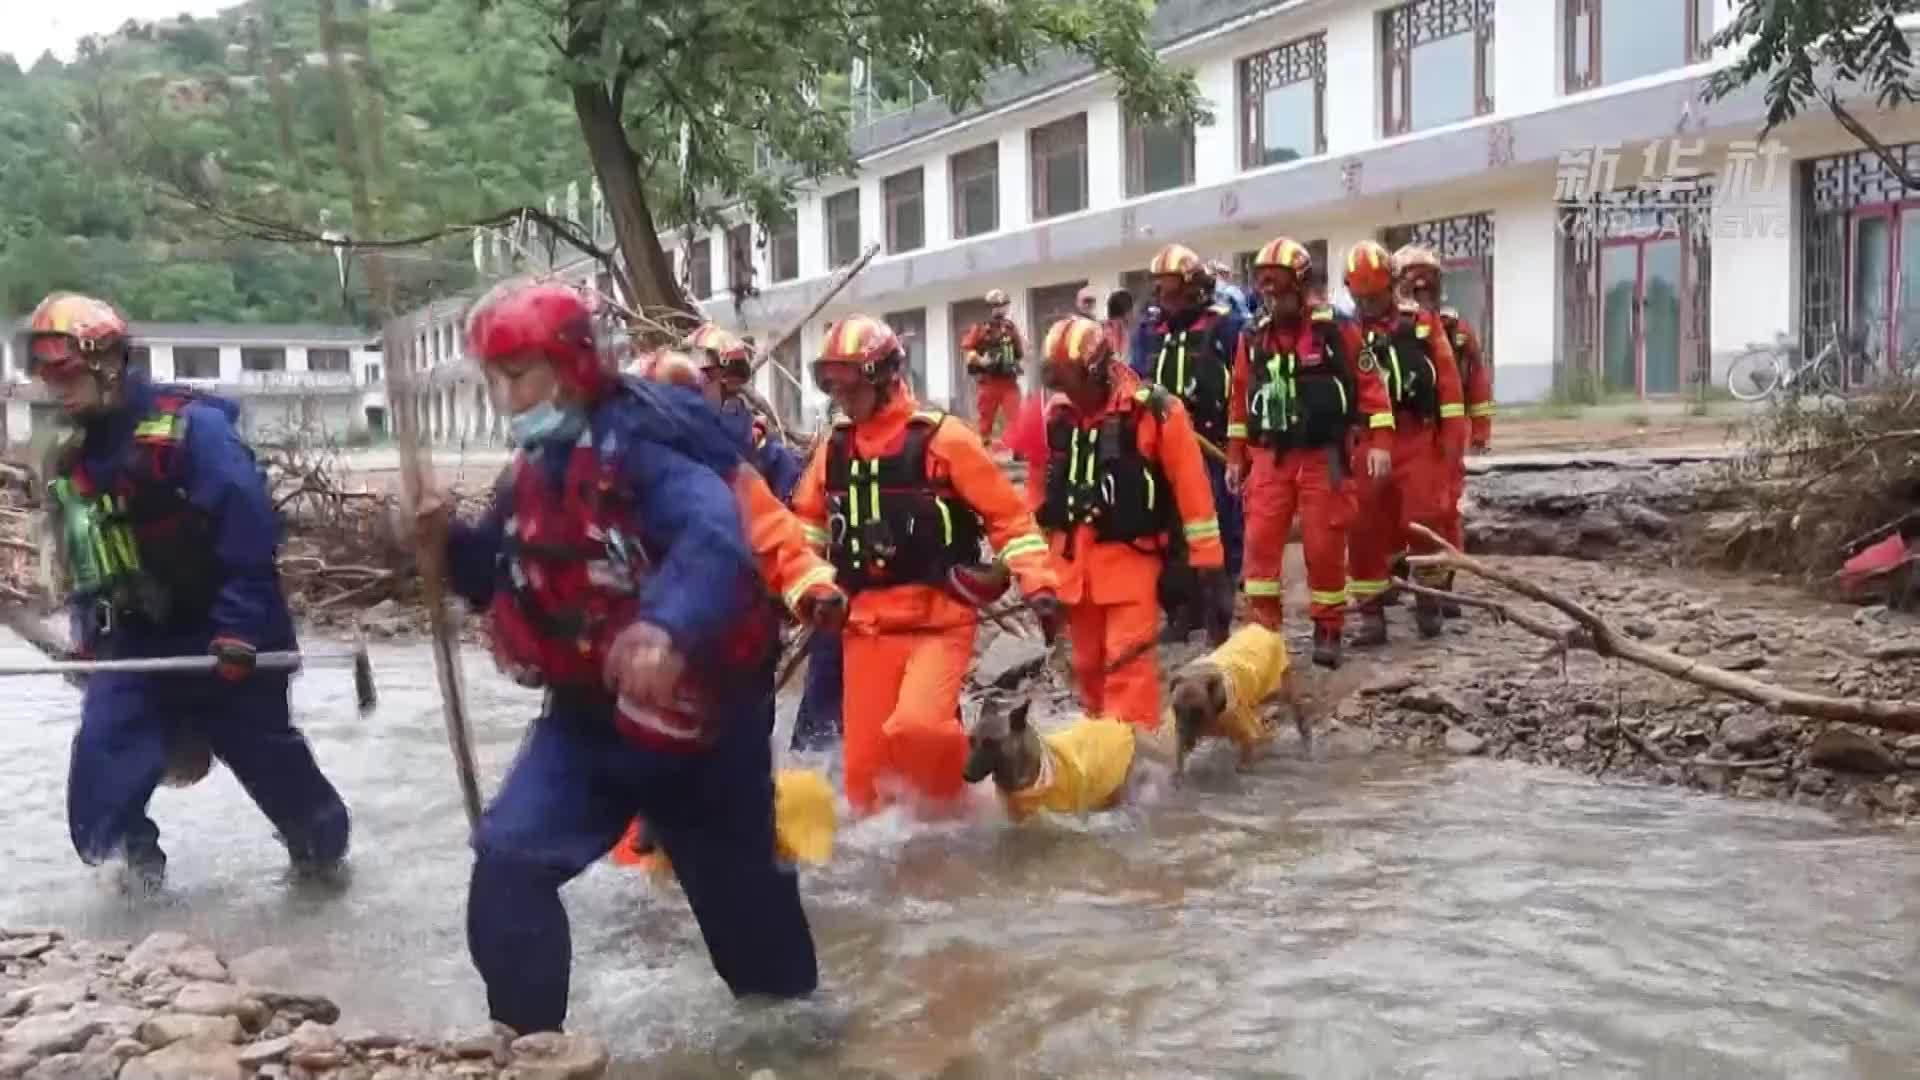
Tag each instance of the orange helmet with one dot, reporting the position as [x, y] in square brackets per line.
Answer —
[864, 341]
[718, 341]
[1369, 269]
[997, 298]
[68, 330]
[1176, 259]
[1076, 340]
[1284, 253]
[1414, 257]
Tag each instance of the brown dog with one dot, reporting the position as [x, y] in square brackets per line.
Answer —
[1222, 695]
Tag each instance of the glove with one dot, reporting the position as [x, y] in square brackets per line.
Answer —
[825, 608]
[1052, 616]
[233, 658]
[980, 586]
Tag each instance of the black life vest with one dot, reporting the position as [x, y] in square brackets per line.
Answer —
[1299, 402]
[888, 522]
[1190, 366]
[136, 548]
[1405, 363]
[1098, 475]
[999, 349]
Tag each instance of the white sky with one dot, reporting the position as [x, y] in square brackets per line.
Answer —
[29, 27]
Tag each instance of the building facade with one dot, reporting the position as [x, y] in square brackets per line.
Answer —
[1607, 230]
[325, 382]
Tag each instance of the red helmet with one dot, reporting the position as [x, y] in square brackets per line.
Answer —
[1076, 340]
[549, 321]
[1369, 269]
[69, 331]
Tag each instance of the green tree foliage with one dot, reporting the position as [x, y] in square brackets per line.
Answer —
[1812, 51]
[459, 111]
[692, 95]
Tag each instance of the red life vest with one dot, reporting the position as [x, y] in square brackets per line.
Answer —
[572, 570]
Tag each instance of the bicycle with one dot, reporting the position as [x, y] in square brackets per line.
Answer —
[1764, 370]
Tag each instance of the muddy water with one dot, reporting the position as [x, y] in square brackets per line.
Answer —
[1342, 917]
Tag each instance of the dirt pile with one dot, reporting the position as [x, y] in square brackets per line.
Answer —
[1490, 688]
[171, 1008]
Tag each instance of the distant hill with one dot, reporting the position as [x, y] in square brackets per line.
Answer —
[463, 117]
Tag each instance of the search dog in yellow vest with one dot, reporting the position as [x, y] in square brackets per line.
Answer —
[1095, 763]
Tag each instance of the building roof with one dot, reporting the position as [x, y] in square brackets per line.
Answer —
[240, 333]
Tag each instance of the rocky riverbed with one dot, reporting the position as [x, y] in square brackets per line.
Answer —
[171, 1008]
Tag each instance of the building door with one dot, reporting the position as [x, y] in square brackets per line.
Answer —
[1641, 283]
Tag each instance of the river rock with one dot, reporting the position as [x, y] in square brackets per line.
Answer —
[1574, 744]
[491, 1043]
[1752, 732]
[78, 1066]
[25, 948]
[287, 1003]
[315, 1046]
[551, 1055]
[266, 1052]
[220, 999]
[270, 966]
[1387, 684]
[169, 1028]
[189, 1059]
[13, 1065]
[50, 1033]
[1437, 702]
[1463, 742]
[1846, 750]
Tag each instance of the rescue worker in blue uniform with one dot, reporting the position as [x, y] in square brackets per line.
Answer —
[617, 575]
[1188, 349]
[726, 368]
[165, 545]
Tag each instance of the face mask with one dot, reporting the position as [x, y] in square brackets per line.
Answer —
[545, 422]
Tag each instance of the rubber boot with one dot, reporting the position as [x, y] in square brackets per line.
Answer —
[1426, 615]
[1326, 645]
[1371, 630]
[1450, 608]
[1398, 571]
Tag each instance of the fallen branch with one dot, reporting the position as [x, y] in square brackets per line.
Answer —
[1760, 763]
[1903, 716]
[1564, 639]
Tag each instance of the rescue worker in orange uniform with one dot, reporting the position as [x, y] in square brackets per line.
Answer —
[1408, 348]
[1303, 401]
[1188, 349]
[1417, 269]
[995, 351]
[1122, 469]
[901, 498]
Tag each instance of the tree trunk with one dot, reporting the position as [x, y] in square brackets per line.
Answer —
[347, 149]
[648, 270]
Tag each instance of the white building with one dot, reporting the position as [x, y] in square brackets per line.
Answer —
[1601, 222]
[319, 380]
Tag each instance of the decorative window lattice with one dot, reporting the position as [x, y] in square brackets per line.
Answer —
[1284, 65]
[1463, 236]
[1430, 20]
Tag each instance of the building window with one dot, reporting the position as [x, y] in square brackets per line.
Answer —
[906, 211]
[1059, 153]
[911, 328]
[1316, 277]
[328, 360]
[1437, 63]
[263, 359]
[1283, 103]
[786, 385]
[196, 362]
[1860, 235]
[783, 241]
[740, 258]
[976, 190]
[1048, 305]
[1610, 41]
[700, 268]
[843, 228]
[373, 374]
[1159, 157]
[140, 359]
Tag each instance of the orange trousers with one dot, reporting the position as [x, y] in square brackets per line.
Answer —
[1415, 491]
[901, 710]
[1280, 484]
[1102, 635]
[998, 397]
[1456, 530]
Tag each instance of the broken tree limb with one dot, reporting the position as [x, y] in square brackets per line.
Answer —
[853, 269]
[1903, 716]
[1573, 638]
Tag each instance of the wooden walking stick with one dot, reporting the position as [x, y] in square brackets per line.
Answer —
[416, 460]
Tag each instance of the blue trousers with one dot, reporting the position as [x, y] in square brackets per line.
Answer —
[569, 796]
[120, 753]
[818, 724]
